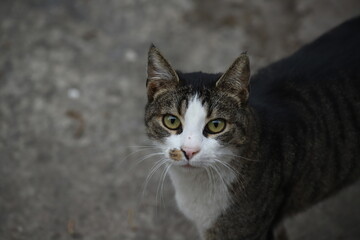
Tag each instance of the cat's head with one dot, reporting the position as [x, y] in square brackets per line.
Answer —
[197, 119]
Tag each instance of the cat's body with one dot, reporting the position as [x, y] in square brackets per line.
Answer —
[242, 162]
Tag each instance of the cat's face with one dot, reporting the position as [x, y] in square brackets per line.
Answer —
[196, 119]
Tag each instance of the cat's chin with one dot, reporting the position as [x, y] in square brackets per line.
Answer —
[189, 167]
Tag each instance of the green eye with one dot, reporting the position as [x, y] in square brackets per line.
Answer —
[171, 122]
[215, 126]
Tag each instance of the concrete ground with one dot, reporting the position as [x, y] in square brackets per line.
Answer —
[72, 94]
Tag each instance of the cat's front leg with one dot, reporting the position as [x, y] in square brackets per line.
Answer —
[234, 225]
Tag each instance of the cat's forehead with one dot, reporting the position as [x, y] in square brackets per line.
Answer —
[183, 100]
[200, 86]
[196, 109]
[198, 80]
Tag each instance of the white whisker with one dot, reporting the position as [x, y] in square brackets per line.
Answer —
[235, 155]
[223, 186]
[234, 171]
[149, 156]
[211, 181]
[226, 165]
[160, 190]
[156, 167]
[133, 153]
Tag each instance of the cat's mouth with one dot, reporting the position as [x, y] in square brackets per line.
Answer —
[178, 156]
[191, 166]
[188, 165]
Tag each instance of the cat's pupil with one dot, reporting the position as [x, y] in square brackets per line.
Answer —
[172, 120]
[216, 124]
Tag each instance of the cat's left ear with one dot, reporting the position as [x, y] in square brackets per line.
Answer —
[235, 80]
[160, 75]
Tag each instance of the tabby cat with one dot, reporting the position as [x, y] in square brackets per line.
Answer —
[241, 161]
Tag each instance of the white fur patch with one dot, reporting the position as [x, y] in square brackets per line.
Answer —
[198, 197]
[201, 193]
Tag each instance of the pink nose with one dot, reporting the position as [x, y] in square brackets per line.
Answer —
[189, 152]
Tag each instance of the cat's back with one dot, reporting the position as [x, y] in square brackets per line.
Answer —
[332, 61]
[310, 103]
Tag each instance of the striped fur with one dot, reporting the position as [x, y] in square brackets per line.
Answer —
[296, 135]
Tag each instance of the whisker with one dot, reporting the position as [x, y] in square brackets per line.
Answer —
[162, 180]
[222, 184]
[149, 156]
[219, 174]
[156, 167]
[235, 155]
[132, 153]
[140, 146]
[227, 165]
[158, 187]
[234, 171]
[211, 181]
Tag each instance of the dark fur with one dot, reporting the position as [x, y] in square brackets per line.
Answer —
[301, 123]
[198, 80]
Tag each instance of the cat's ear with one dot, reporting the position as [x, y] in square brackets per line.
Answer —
[235, 80]
[160, 75]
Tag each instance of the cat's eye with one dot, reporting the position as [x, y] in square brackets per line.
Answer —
[171, 122]
[215, 126]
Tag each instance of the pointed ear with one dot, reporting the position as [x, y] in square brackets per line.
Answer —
[235, 80]
[160, 75]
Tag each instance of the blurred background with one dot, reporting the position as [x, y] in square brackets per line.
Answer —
[72, 97]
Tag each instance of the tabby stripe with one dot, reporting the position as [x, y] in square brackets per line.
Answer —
[311, 151]
[353, 127]
[335, 112]
[324, 133]
[301, 99]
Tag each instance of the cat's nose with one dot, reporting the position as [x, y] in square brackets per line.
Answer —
[189, 152]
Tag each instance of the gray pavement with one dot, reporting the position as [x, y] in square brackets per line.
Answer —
[72, 94]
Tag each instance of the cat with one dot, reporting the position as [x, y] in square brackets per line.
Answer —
[243, 155]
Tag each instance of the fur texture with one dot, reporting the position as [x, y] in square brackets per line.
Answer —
[286, 145]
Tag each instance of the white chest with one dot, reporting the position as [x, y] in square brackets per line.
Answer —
[199, 198]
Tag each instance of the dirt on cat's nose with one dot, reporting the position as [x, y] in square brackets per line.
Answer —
[176, 154]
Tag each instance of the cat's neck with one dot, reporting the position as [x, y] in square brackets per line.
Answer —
[198, 178]
[202, 195]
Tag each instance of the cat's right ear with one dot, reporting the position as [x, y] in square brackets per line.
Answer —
[160, 75]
